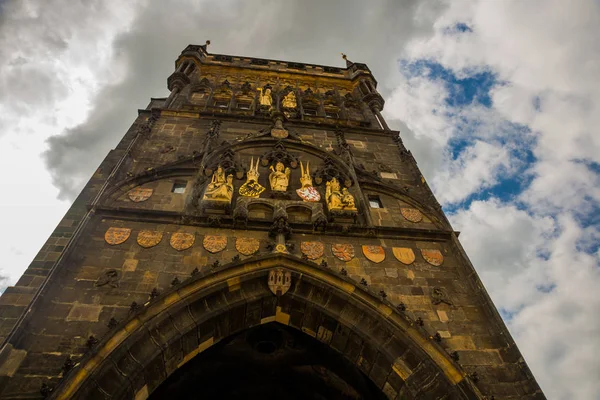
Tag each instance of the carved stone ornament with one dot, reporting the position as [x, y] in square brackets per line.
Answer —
[182, 241]
[433, 256]
[343, 251]
[312, 250]
[265, 97]
[247, 246]
[116, 236]
[214, 243]
[278, 131]
[220, 187]
[404, 254]
[438, 296]
[252, 188]
[338, 199]
[411, 214]
[374, 253]
[289, 101]
[110, 277]
[307, 192]
[149, 239]
[279, 281]
[281, 248]
[139, 194]
[279, 178]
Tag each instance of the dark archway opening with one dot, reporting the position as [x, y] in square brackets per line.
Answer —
[269, 361]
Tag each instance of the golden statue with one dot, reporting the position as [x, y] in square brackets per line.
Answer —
[279, 177]
[289, 101]
[219, 188]
[252, 188]
[307, 192]
[338, 199]
[265, 97]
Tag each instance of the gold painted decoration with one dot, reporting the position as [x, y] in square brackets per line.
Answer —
[433, 256]
[182, 241]
[281, 248]
[307, 192]
[139, 194]
[337, 198]
[149, 239]
[374, 253]
[289, 101]
[214, 243]
[343, 251]
[411, 214]
[279, 178]
[247, 246]
[114, 236]
[279, 281]
[404, 254]
[312, 250]
[220, 187]
[265, 97]
[252, 188]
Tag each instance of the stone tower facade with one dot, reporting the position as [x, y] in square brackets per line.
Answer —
[260, 233]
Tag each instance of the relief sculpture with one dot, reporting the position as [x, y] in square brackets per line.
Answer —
[338, 199]
[220, 188]
[252, 188]
[307, 192]
[279, 177]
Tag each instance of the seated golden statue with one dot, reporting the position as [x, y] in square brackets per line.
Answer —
[265, 98]
[338, 199]
[289, 101]
[279, 177]
[219, 188]
[252, 188]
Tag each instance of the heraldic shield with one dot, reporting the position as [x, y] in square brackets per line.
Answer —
[343, 251]
[374, 253]
[182, 241]
[309, 194]
[280, 281]
[247, 246]
[140, 194]
[433, 256]
[149, 239]
[115, 235]
[312, 250]
[411, 214]
[214, 243]
[404, 254]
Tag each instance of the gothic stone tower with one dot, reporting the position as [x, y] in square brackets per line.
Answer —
[260, 233]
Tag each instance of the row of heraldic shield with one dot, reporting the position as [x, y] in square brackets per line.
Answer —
[248, 246]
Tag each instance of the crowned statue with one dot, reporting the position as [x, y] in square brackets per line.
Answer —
[279, 177]
[252, 188]
[289, 101]
[337, 198]
[220, 187]
[307, 192]
[265, 97]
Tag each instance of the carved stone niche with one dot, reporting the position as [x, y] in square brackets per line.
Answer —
[327, 171]
[281, 208]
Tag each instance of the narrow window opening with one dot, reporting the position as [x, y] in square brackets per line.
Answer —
[221, 104]
[179, 187]
[243, 106]
[375, 202]
[310, 112]
[331, 114]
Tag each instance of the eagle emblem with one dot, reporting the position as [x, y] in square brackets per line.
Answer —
[182, 241]
[247, 246]
[115, 235]
[312, 250]
[214, 243]
[433, 256]
[148, 239]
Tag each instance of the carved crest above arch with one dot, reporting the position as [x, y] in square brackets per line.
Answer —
[328, 171]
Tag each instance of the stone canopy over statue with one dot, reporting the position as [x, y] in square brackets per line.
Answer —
[279, 177]
[338, 199]
[220, 187]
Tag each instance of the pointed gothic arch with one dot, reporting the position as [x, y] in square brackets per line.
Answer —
[168, 332]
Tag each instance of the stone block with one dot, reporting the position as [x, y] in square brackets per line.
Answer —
[84, 312]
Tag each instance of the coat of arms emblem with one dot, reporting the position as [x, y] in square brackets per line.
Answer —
[279, 281]
[404, 254]
[115, 235]
[214, 243]
[433, 256]
[182, 241]
[312, 250]
[140, 194]
[374, 253]
[411, 214]
[309, 194]
[247, 246]
[343, 251]
[149, 239]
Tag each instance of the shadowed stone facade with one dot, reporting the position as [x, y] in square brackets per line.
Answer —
[151, 288]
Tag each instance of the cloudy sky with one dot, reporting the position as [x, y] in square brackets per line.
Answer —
[499, 100]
